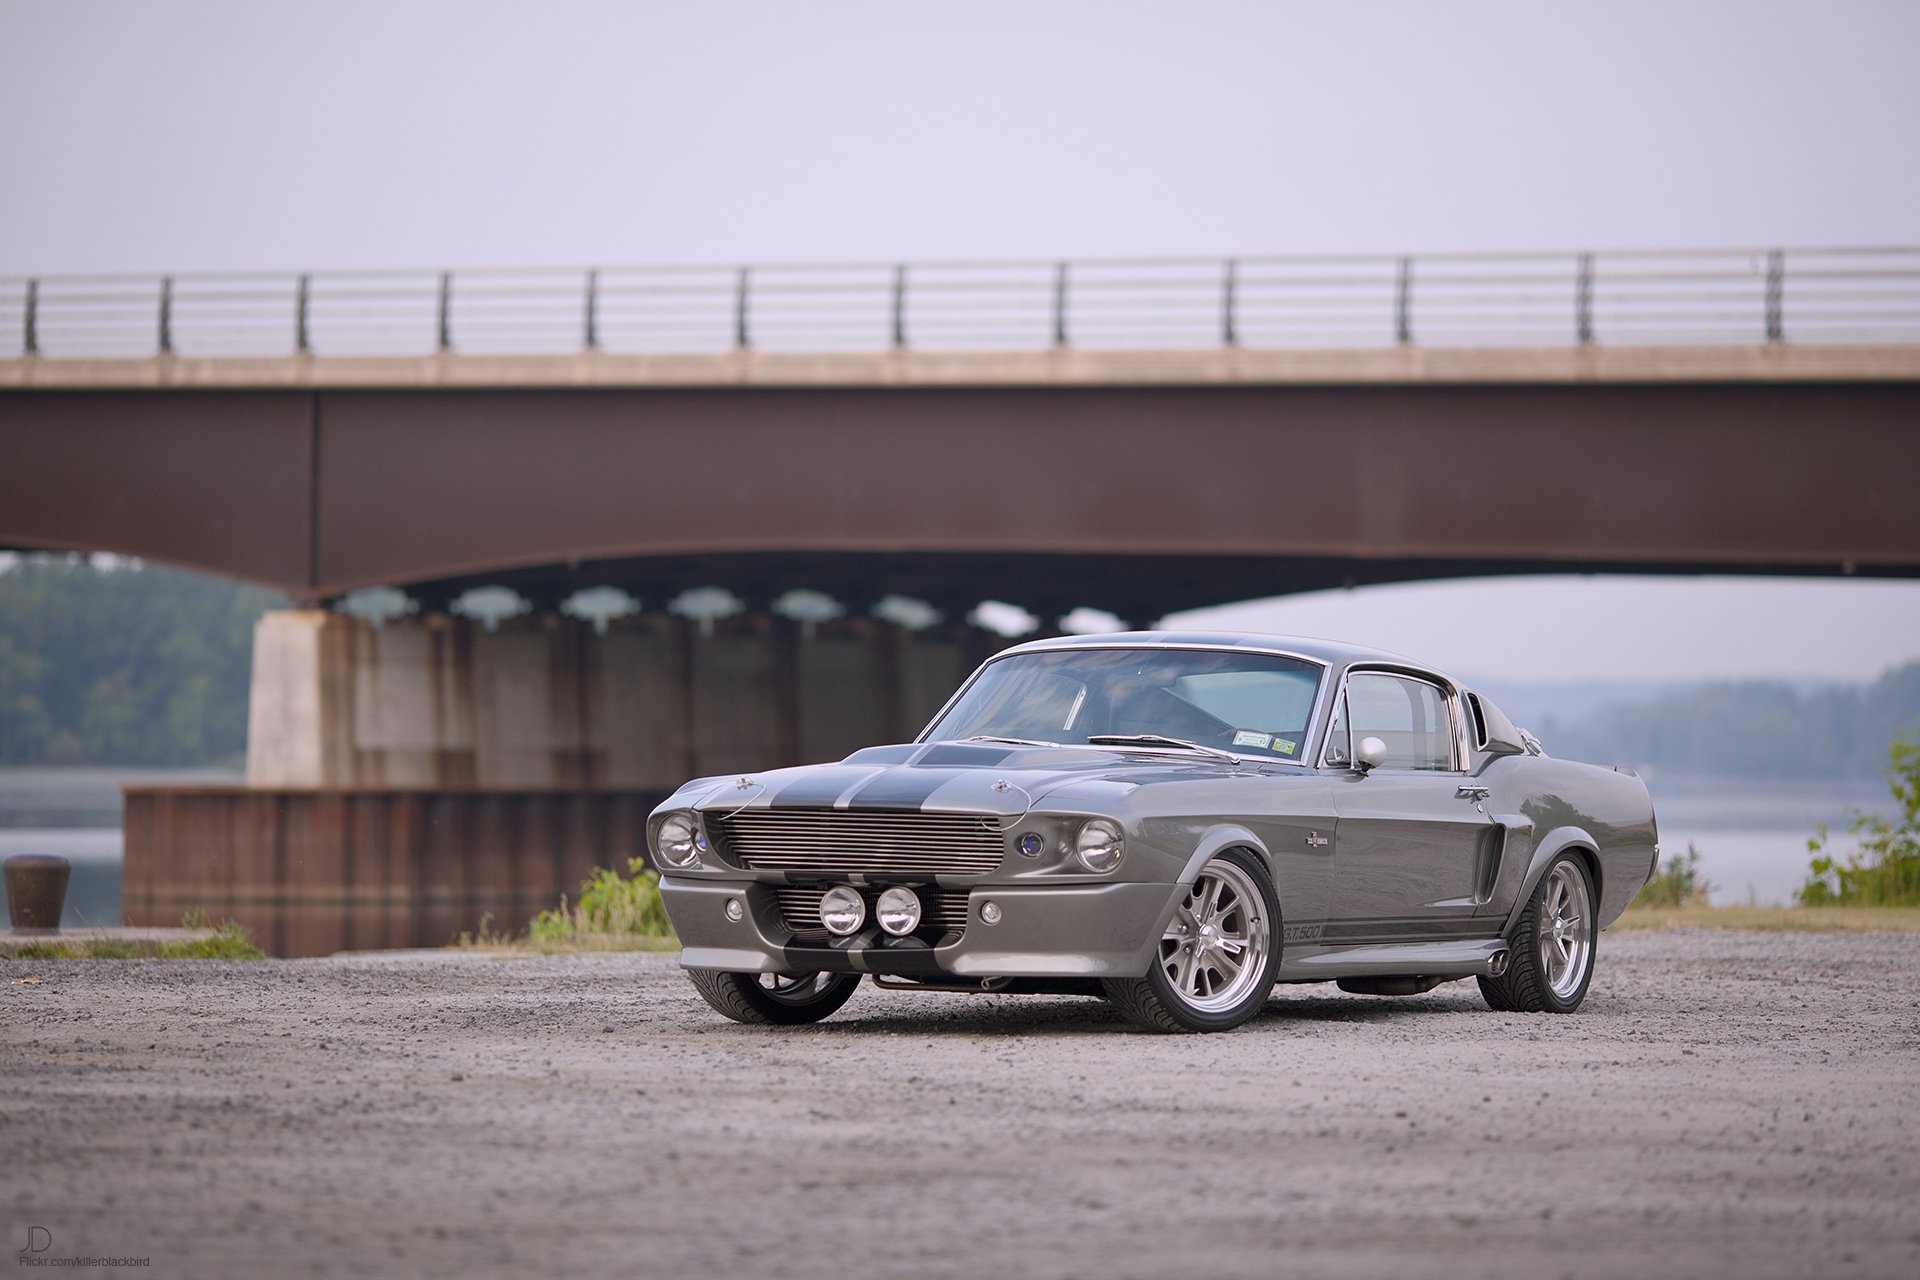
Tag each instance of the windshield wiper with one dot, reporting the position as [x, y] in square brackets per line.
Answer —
[1158, 740]
[1015, 742]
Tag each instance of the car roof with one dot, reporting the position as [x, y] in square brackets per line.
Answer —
[1337, 654]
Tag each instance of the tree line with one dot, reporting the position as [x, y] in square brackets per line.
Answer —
[120, 664]
[126, 664]
[1752, 728]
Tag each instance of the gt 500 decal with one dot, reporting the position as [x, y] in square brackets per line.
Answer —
[1301, 932]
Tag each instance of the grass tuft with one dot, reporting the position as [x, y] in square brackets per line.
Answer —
[1677, 884]
[229, 941]
[615, 913]
[1771, 919]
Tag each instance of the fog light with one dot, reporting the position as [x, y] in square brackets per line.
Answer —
[735, 912]
[842, 910]
[990, 913]
[1030, 844]
[898, 911]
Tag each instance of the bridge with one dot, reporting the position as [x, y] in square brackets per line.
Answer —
[770, 482]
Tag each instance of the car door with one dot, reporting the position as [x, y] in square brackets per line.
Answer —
[1409, 833]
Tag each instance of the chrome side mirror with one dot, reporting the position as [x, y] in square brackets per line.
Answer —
[1372, 754]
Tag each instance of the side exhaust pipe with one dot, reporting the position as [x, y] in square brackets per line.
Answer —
[1497, 963]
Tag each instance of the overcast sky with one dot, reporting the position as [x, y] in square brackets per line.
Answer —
[188, 136]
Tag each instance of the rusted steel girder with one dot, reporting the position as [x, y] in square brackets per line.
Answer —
[1154, 495]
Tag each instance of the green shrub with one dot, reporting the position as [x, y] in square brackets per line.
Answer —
[1886, 871]
[612, 907]
[1676, 884]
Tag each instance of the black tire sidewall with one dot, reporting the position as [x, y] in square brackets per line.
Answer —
[746, 988]
[1554, 1002]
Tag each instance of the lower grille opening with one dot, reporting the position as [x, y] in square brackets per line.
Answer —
[943, 911]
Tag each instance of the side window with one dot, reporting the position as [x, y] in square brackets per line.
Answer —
[1410, 716]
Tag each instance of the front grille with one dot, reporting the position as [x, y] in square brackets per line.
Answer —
[943, 911]
[843, 841]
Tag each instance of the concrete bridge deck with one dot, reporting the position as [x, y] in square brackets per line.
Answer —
[1056, 367]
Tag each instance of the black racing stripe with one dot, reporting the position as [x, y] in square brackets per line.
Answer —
[907, 788]
[894, 961]
[816, 788]
[1404, 930]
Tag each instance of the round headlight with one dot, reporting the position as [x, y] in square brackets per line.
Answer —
[675, 843]
[842, 910]
[1100, 845]
[898, 911]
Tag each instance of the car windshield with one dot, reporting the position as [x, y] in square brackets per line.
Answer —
[1252, 704]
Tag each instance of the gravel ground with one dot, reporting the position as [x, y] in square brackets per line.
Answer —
[1738, 1104]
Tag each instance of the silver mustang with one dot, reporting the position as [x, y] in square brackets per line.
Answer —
[1172, 821]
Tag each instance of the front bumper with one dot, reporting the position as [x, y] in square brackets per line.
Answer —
[1053, 931]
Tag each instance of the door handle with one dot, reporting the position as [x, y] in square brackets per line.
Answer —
[1471, 791]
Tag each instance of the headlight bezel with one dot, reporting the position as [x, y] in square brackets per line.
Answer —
[1100, 845]
[680, 849]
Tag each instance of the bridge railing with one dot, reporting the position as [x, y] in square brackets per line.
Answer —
[1715, 297]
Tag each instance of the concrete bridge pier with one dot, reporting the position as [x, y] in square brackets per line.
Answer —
[545, 701]
[407, 780]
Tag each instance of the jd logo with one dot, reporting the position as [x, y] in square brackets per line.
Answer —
[39, 1240]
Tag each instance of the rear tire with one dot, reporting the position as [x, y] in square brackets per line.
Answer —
[774, 999]
[1552, 946]
[1216, 962]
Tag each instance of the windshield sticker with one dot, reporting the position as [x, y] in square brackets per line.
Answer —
[1284, 746]
[1248, 738]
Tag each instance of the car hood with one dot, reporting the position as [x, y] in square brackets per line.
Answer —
[965, 777]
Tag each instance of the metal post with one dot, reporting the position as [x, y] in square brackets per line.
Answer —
[302, 300]
[166, 315]
[1403, 303]
[1583, 301]
[1776, 296]
[32, 340]
[1060, 304]
[1229, 302]
[900, 307]
[446, 311]
[742, 287]
[593, 310]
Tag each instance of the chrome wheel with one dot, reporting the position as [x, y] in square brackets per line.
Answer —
[1215, 950]
[1564, 933]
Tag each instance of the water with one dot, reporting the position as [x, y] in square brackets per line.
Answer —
[1752, 837]
[75, 813]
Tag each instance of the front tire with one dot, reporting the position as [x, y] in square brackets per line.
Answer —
[774, 999]
[1552, 946]
[1217, 960]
